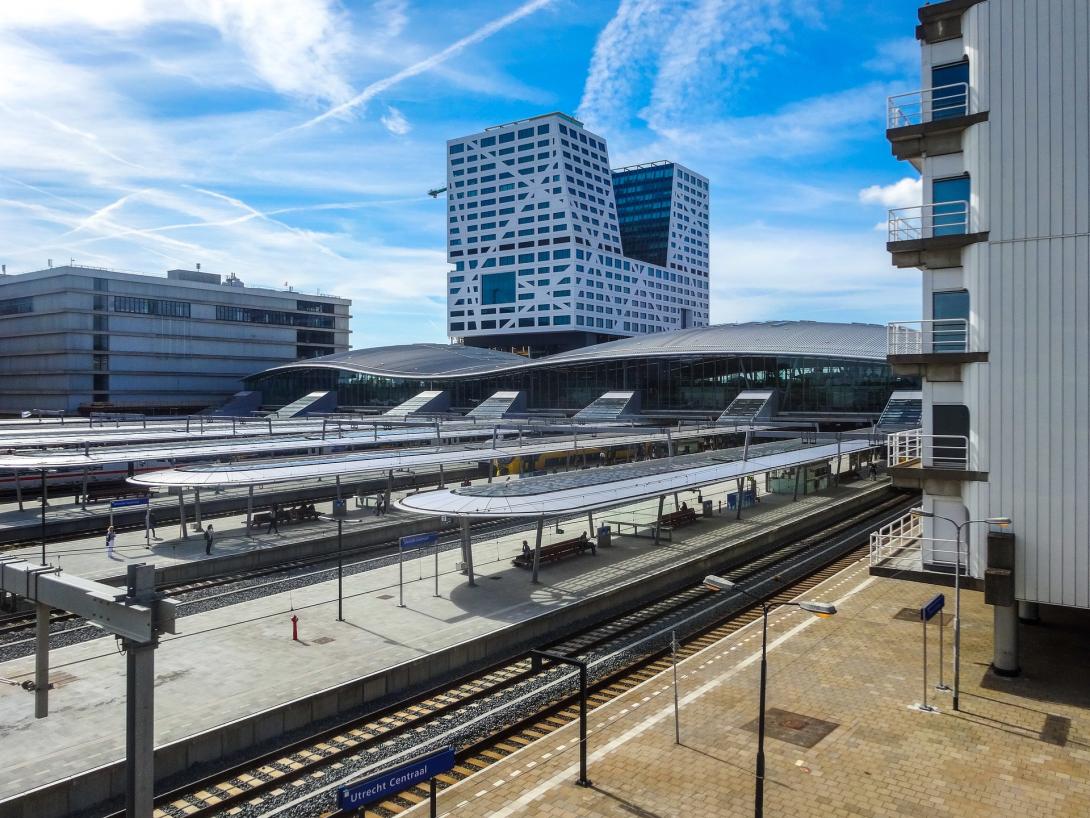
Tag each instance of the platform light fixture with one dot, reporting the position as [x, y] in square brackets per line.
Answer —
[998, 521]
[820, 609]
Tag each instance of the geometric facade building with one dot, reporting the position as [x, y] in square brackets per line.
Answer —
[537, 240]
[1000, 132]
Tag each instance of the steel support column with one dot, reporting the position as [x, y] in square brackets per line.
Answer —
[467, 549]
[658, 519]
[537, 549]
[249, 511]
[139, 729]
[41, 662]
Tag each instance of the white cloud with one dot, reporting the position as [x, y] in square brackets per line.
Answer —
[896, 57]
[623, 51]
[392, 16]
[907, 192]
[417, 68]
[761, 272]
[296, 47]
[395, 122]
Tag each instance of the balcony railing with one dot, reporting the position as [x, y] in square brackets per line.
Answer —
[937, 336]
[901, 544]
[928, 221]
[927, 105]
[911, 447]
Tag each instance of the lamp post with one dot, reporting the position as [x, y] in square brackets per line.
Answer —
[340, 563]
[1002, 522]
[822, 609]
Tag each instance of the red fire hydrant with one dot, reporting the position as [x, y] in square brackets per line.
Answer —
[294, 628]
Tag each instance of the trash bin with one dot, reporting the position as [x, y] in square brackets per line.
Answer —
[709, 509]
[340, 508]
[604, 536]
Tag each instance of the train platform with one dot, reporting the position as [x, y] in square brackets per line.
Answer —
[844, 736]
[233, 661]
[87, 556]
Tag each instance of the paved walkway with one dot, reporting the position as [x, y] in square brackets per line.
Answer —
[240, 659]
[850, 683]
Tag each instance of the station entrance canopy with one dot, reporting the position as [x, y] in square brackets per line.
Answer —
[611, 486]
[363, 463]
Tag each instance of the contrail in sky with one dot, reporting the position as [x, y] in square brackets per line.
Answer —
[377, 87]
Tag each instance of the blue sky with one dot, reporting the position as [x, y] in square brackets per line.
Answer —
[293, 141]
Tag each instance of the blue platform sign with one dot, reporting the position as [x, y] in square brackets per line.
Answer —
[131, 501]
[419, 540]
[936, 604]
[387, 783]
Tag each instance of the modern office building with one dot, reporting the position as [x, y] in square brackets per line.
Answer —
[78, 338]
[1001, 135]
[539, 242]
[819, 369]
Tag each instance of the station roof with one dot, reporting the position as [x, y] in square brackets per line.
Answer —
[611, 486]
[135, 432]
[100, 455]
[362, 463]
[814, 339]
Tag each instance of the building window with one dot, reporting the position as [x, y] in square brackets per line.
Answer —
[102, 285]
[950, 426]
[101, 343]
[314, 306]
[100, 363]
[16, 306]
[498, 288]
[287, 319]
[950, 200]
[101, 323]
[309, 336]
[151, 306]
[950, 311]
[100, 383]
[950, 90]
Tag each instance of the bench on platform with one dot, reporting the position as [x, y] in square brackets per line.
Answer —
[106, 493]
[678, 519]
[556, 551]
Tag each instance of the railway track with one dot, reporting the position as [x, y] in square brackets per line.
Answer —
[268, 782]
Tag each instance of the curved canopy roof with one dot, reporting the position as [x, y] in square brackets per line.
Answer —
[611, 486]
[413, 361]
[815, 339]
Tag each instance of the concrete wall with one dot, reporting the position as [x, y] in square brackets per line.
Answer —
[265, 730]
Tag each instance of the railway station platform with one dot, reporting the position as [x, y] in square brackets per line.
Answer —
[844, 738]
[229, 666]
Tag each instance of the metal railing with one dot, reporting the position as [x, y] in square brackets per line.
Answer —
[927, 105]
[929, 220]
[911, 446]
[939, 335]
[902, 544]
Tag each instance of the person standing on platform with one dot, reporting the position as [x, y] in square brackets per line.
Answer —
[378, 504]
[274, 523]
[111, 538]
[209, 539]
[873, 471]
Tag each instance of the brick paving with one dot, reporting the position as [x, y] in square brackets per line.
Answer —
[1018, 746]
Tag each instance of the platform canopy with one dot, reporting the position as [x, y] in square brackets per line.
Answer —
[611, 486]
[248, 447]
[365, 463]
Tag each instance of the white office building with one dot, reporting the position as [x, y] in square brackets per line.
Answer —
[551, 250]
[85, 338]
[1000, 133]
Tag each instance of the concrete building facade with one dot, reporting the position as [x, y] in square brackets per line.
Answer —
[536, 237]
[1000, 133]
[78, 338]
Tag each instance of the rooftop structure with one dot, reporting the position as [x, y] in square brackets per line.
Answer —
[77, 337]
[538, 240]
[818, 367]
